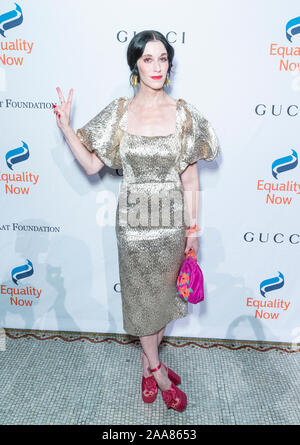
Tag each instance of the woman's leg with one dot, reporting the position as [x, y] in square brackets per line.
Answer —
[150, 346]
[145, 360]
[160, 335]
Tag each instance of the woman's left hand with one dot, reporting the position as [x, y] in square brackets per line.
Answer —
[192, 242]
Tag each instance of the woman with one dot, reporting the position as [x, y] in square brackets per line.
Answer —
[157, 140]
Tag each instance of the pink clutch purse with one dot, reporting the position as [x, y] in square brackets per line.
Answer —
[190, 279]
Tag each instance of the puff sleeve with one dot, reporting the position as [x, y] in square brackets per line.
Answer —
[198, 139]
[102, 134]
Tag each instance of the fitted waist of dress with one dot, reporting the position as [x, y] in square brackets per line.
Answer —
[158, 183]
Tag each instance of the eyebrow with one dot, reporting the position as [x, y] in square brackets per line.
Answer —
[162, 54]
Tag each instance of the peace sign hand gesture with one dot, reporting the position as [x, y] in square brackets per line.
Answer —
[64, 110]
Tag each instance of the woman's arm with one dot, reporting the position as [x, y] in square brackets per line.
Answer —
[191, 188]
[89, 161]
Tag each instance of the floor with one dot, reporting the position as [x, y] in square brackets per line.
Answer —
[65, 378]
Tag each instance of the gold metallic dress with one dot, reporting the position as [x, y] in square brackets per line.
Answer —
[150, 222]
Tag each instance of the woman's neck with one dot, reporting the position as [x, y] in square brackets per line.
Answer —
[150, 97]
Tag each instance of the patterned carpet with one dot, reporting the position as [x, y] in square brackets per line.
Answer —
[61, 378]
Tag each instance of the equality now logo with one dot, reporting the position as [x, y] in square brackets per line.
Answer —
[9, 20]
[269, 309]
[289, 55]
[14, 182]
[21, 296]
[280, 193]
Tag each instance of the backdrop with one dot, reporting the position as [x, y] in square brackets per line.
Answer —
[239, 64]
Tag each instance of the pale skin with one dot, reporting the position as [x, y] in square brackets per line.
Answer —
[150, 113]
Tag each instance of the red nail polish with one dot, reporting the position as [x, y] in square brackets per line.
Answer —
[59, 115]
[54, 106]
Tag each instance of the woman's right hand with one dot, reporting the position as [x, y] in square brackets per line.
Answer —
[63, 111]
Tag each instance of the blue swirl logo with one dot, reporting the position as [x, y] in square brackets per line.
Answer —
[16, 155]
[21, 272]
[11, 19]
[283, 164]
[271, 284]
[292, 28]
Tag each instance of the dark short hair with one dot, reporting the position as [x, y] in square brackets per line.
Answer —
[137, 45]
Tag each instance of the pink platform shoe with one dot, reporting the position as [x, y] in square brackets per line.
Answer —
[149, 385]
[173, 397]
[149, 389]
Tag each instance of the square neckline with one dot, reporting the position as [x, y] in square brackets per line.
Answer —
[125, 126]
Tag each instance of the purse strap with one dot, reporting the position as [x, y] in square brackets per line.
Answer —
[191, 253]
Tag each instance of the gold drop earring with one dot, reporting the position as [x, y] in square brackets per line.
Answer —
[167, 81]
[134, 80]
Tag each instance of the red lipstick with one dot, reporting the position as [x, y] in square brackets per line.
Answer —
[156, 77]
